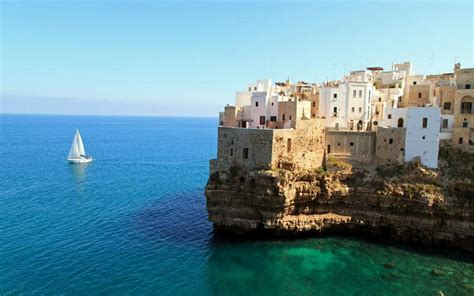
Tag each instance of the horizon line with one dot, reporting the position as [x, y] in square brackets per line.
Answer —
[111, 115]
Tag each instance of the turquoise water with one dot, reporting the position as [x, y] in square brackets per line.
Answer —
[134, 222]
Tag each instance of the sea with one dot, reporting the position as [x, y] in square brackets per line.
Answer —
[134, 222]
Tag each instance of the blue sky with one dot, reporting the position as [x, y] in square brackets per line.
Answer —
[189, 58]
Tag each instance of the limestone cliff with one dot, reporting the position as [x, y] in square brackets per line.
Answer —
[406, 203]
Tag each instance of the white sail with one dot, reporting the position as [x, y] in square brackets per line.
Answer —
[74, 151]
[80, 145]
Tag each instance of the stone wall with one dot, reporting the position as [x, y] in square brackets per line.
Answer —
[356, 147]
[314, 99]
[463, 133]
[446, 95]
[230, 113]
[291, 111]
[390, 146]
[263, 149]
[414, 98]
[302, 147]
[249, 149]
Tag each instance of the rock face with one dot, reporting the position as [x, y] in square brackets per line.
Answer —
[408, 204]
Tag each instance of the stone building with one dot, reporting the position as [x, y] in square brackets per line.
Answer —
[419, 95]
[463, 133]
[390, 145]
[357, 147]
[289, 112]
[266, 149]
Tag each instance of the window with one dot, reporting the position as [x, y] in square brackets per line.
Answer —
[334, 96]
[288, 145]
[390, 141]
[468, 86]
[232, 142]
[466, 108]
[419, 95]
[445, 123]
[272, 103]
[351, 144]
[460, 140]
[335, 111]
[245, 153]
[283, 117]
[255, 88]
[289, 117]
[464, 123]
[314, 104]
[389, 116]
[414, 82]
[376, 112]
[222, 122]
[360, 94]
[231, 152]
[353, 109]
[256, 104]
[447, 106]
[273, 118]
[400, 122]
[423, 137]
[360, 109]
[380, 99]
[329, 149]
[262, 120]
[376, 123]
[314, 115]
[354, 93]
[250, 89]
[424, 123]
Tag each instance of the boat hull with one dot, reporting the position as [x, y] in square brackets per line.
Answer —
[80, 160]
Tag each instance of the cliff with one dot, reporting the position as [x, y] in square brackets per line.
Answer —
[406, 203]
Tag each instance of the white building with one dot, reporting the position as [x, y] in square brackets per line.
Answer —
[256, 106]
[422, 132]
[447, 127]
[347, 105]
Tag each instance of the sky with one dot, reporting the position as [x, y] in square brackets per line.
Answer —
[188, 58]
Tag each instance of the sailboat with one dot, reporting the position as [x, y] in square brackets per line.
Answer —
[77, 154]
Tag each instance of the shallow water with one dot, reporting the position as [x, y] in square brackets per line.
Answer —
[134, 222]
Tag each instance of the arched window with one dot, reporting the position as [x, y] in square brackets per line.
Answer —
[400, 122]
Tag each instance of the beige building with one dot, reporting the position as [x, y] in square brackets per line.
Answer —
[264, 149]
[419, 95]
[291, 111]
[445, 96]
[352, 146]
[463, 134]
[390, 146]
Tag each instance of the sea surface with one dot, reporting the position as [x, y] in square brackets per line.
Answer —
[134, 222]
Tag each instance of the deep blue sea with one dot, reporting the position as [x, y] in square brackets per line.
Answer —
[134, 222]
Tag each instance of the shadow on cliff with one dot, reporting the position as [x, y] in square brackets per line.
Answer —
[178, 219]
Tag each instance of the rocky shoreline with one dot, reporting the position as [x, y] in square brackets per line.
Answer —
[406, 203]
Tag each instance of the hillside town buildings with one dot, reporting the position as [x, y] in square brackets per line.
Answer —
[369, 117]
